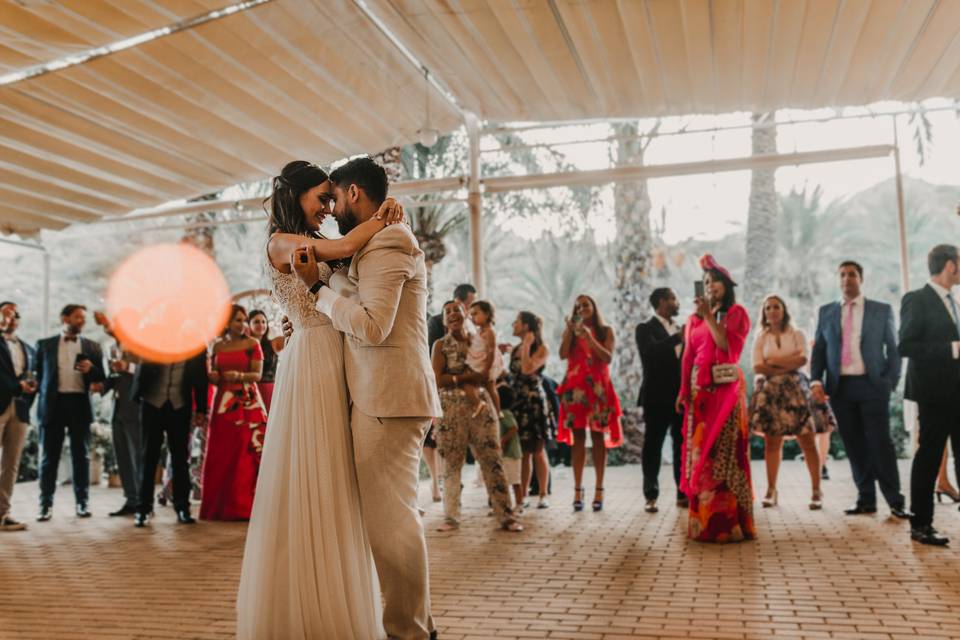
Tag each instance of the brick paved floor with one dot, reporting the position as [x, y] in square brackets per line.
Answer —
[617, 574]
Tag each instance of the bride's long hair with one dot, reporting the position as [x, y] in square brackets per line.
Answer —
[286, 214]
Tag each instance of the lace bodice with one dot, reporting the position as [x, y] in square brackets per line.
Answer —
[295, 298]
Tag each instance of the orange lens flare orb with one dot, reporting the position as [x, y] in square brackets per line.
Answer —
[167, 301]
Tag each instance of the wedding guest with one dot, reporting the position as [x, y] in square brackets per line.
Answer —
[855, 363]
[69, 369]
[588, 402]
[465, 294]
[125, 423]
[168, 395]
[462, 427]
[510, 444]
[484, 357]
[716, 440]
[782, 406]
[271, 347]
[944, 488]
[930, 339]
[527, 361]
[16, 395]
[237, 424]
[660, 342]
[557, 452]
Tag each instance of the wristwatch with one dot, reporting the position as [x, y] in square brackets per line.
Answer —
[319, 284]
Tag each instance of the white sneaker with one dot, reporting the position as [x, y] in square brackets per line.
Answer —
[9, 524]
[543, 504]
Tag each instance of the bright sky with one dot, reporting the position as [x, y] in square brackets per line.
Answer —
[710, 206]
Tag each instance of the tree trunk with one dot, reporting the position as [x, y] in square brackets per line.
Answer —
[202, 237]
[761, 219]
[633, 247]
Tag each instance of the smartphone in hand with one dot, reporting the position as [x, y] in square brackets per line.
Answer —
[698, 290]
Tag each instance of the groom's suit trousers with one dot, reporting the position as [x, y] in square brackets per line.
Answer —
[387, 454]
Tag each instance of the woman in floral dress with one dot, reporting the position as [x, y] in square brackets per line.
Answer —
[588, 402]
[716, 443]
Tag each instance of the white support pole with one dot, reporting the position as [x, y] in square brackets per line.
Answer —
[47, 326]
[901, 213]
[475, 202]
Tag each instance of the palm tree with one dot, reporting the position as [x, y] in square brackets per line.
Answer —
[762, 215]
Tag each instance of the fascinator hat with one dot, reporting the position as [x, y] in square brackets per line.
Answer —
[709, 263]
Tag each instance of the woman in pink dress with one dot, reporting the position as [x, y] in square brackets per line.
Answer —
[588, 402]
[716, 463]
[237, 425]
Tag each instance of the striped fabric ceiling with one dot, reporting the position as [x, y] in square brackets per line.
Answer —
[232, 99]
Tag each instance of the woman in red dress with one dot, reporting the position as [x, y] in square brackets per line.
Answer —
[237, 425]
[271, 347]
[716, 437]
[588, 401]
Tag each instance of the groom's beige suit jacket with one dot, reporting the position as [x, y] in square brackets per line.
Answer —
[382, 313]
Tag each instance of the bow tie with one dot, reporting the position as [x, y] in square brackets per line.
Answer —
[70, 338]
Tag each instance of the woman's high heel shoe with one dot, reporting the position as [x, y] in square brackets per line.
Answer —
[598, 504]
[770, 500]
[578, 499]
[951, 493]
[816, 502]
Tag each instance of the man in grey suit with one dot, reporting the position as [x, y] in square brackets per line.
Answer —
[379, 303]
[855, 362]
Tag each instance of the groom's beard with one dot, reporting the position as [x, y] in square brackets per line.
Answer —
[347, 222]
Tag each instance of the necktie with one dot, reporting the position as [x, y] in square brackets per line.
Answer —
[953, 309]
[846, 349]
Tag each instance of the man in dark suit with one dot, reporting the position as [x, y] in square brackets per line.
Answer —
[69, 369]
[659, 341]
[169, 395]
[856, 363]
[930, 338]
[16, 395]
[464, 293]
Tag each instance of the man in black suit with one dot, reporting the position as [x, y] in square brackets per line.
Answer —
[464, 293]
[16, 395]
[930, 338]
[169, 394]
[69, 369]
[660, 340]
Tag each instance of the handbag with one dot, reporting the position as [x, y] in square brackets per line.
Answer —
[724, 373]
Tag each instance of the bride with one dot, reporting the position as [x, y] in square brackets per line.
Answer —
[307, 567]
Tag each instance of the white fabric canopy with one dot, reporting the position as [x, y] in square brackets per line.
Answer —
[233, 99]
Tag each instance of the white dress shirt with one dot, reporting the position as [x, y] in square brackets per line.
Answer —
[944, 294]
[16, 353]
[856, 366]
[672, 329]
[69, 380]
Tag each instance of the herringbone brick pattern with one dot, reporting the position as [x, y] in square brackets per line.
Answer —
[617, 574]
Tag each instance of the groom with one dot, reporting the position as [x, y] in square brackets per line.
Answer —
[379, 302]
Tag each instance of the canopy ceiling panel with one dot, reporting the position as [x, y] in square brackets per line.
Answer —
[567, 59]
[227, 101]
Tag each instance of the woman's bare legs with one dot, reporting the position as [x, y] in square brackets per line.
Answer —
[578, 457]
[772, 454]
[599, 462]
[808, 444]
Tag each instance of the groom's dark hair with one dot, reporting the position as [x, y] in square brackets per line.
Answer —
[366, 174]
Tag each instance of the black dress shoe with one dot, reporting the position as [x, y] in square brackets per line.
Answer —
[140, 520]
[184, 517]
[824, 475]
[650, 506]
[433, 635]
[928, 535]
[125, 510]
[859, 509]
[82, 511]
[45, 514]
[901, 512]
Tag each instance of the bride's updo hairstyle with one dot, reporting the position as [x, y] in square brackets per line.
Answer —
[286, 214]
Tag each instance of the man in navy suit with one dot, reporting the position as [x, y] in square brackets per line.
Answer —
[69, 369]
[930, 338]
[856, 363]
[16, 395]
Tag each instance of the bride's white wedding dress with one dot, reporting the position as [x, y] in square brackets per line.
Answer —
[307, 567]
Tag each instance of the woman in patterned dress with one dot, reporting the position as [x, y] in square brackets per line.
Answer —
[716, 463]
[527, 361]
[782, 406]
[588, 402]
[462, 425]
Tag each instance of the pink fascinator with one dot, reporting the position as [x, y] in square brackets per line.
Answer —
[708, 262]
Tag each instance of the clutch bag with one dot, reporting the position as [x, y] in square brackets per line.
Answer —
[724, 373]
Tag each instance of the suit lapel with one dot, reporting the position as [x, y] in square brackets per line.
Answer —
[5, 356]
[941, 309]
[836, 322]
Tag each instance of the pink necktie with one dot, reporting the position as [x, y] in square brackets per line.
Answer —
[846, 349]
